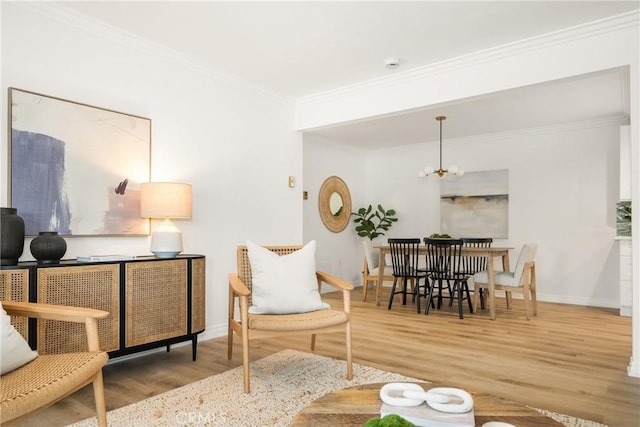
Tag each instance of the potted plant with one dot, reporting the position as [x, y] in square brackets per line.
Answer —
[372, 224]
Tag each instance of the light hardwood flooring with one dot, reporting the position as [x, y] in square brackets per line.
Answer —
[569, 359]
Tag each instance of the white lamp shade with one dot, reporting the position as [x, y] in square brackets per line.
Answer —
[165, 200]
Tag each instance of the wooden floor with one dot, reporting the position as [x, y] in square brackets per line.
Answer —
[569, 359]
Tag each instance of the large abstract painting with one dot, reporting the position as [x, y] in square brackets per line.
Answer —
[476, 204]
[77, 169]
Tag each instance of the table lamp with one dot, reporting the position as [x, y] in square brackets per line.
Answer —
[165, 200]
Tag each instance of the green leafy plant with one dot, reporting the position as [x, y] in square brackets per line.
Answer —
[372, 223]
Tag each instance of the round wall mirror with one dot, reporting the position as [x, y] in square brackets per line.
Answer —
[334, 203]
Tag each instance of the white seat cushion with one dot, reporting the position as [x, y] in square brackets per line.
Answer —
[506, 278]
[503, 278]
[388, 271]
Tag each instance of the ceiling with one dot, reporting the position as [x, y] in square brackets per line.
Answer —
[602, 95]
[300, 48]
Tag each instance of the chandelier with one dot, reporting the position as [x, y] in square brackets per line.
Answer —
[453, 169]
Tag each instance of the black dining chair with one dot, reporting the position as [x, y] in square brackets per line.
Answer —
[444, 266]
[473, 264]
[404, 262]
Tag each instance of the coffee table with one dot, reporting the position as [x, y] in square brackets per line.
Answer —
[353, 406]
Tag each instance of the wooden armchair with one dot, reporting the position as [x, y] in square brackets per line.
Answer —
[256, 326]
[52, 377]
[370, 270]
[521, 280]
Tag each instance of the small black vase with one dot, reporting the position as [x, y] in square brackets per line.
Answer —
[48, 247]
[12, 236]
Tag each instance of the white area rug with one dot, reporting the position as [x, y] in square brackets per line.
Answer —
[281, 385]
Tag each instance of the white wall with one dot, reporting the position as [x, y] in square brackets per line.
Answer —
[233, 143]
[606, 44]
[563, 188]
[337, 253]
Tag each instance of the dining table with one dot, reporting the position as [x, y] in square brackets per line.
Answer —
[491, 253]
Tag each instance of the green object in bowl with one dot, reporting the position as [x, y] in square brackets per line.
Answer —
[391, 420]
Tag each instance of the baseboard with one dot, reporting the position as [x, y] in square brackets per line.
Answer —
[212, 332]
[141, 353]
[626, 311]
[590, 302]
[560, 299]
[208, 334]
[634, 368]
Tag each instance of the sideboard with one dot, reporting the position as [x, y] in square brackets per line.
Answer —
[152, 302]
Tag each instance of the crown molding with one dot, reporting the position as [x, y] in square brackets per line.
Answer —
[566, 35]
[510, 134]
[101, 29]
[548, 129]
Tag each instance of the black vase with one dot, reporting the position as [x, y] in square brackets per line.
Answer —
[48, 247]
[11, 236]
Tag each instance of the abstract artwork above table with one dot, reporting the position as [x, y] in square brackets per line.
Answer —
[77, 169]
[475, 204]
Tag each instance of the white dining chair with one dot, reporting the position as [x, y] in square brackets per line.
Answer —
[521, 280]
[370, 270]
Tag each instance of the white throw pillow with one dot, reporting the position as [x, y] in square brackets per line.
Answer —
[284, 284]
[15, 351]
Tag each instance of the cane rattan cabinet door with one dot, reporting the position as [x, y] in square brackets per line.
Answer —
[91, 286]
[197, 295]
[155, 301]
[14, 286]
[151, 302]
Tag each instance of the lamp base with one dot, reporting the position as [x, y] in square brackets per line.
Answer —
[165, 254]
[166, 240]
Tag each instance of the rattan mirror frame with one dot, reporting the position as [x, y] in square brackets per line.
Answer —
[334, 223]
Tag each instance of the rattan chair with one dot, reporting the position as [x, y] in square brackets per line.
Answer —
[257, 326]
[51, 377]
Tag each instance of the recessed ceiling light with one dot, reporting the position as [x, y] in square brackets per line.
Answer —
[392, 63]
